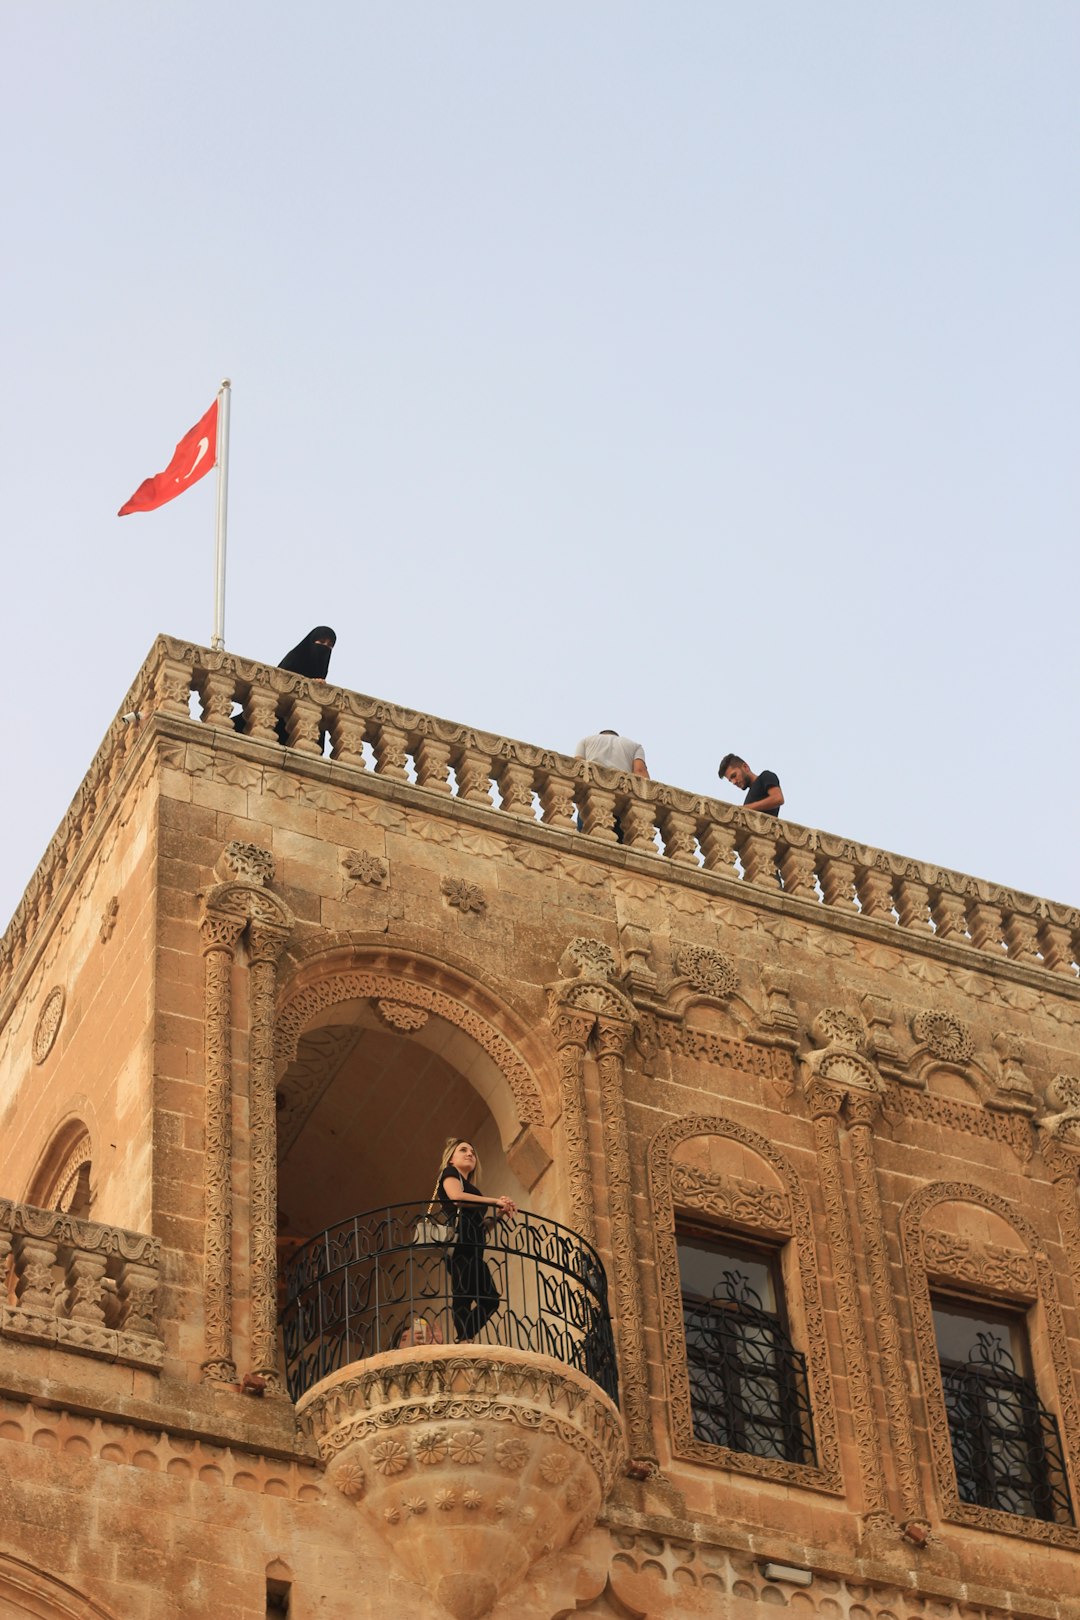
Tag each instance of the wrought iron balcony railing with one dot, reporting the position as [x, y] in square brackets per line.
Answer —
[393, 1278]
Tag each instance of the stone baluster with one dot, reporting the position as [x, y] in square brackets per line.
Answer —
[84, 1276]
[796, 856]
[1056, 938]
[515, 782]
[984, 924]
[913, 900]
[1021, 932]
[948, 910]
[472, 767]
[836, 869]
[637, 818]
[391, 749]
[172, 688]
[597, 811]
[303, 721]
[678, 829]
[35, 1286]
[757, 852]
[260, 713]
[432, 758]
[136, 1289]
[216, 688]
[347, 734]
[716, 840]
[874, 887]
[557, 793]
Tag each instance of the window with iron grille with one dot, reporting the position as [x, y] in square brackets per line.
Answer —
[1005, 1445]
[748, 1388]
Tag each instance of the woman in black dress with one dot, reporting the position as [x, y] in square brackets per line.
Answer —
[475, 1296]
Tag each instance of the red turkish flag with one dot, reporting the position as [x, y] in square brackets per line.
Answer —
[192, 459]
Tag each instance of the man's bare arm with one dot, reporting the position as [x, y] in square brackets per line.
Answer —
[640, 768]
[773, 797]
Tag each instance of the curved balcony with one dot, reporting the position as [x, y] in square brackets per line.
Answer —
[382, 1281]
[470, 1453]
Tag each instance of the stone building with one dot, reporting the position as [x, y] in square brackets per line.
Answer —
[790, 1320]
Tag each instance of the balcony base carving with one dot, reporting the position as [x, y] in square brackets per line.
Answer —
[469, 1463]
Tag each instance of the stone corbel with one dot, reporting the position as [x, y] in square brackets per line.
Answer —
[1015, 1093]
[840, 1060]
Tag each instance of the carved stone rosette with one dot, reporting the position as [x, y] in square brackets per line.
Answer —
[470, 1466]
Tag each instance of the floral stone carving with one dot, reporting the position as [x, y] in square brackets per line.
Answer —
[587, 959]
[471, 1464]
[363, 867]
[946, 1037]
[711, 972]
[245, 863]
[465, 896]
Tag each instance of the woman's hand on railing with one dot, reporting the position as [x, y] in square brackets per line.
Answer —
[504, 1208]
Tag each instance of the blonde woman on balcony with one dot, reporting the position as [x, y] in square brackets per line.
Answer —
[475, 1296]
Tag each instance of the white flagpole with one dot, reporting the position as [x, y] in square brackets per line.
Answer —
[217, 640]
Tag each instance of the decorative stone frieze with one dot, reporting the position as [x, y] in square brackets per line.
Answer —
[401, 1017]
[469, 1464]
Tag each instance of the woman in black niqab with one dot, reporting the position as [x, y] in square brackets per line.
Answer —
[311, 657]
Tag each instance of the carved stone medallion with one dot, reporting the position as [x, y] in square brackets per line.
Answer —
[946, 1037]
[711, 972]
[48, 1024]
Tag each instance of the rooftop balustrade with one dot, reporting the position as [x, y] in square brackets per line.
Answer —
[385, 1280]
[408, 752]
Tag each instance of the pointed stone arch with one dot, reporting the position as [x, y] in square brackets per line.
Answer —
[61, 1178]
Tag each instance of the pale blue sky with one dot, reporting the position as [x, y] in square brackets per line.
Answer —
[708, 371]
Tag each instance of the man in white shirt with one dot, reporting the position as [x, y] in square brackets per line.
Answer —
[617, 753]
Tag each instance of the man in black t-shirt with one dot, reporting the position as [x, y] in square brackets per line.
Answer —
[763, 790]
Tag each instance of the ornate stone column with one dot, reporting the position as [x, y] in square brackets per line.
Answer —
[571, 1030]
[266, 942]
[862, 1108]
[825, 1102]
[611, 1037]
[1059, 1144]
[220, 932]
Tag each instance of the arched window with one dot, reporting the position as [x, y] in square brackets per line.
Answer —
[62, 1179]
[1001, 1410]
[743, 1331]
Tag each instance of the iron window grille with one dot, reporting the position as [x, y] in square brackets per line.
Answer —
[1005, 1445]
[748, 1388]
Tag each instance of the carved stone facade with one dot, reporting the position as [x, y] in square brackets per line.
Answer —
[250, 993]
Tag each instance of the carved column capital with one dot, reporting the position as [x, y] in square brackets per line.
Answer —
[219, 931]
[266, 941]
[862, 1107]
[823, 1100]
[1062, 1162]
[569, 1025]
[611, 1037]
